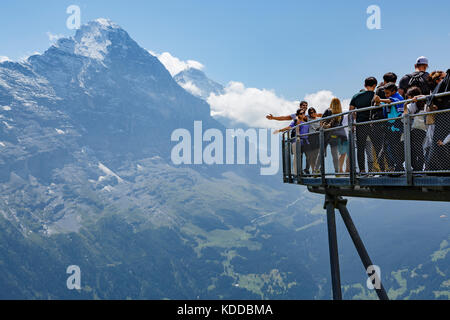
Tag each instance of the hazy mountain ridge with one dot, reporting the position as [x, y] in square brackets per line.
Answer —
[196, 82]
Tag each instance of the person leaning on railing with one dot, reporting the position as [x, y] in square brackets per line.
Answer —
[433, 80]
[334, 137]
[343, 147]
[418, 128]
[295, 130]
[439, 156]
[387, 78]
[314, 140]
[363, 99]
[394, 128]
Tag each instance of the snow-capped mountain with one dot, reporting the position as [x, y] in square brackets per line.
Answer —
[88, 105]
[99, 87]
[196, 82]
[94, 113]
[86, 177]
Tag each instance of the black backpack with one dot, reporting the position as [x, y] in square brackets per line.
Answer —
[419, 79]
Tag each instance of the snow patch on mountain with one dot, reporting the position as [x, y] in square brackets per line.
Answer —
[107, 189]
[108, 172]
[92, 41]
[106, 23]
[7, 125]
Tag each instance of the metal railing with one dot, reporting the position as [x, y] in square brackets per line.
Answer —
[406, 146]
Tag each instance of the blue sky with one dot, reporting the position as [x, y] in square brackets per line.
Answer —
[293, 47]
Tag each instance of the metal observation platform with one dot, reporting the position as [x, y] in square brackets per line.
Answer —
[401, 157]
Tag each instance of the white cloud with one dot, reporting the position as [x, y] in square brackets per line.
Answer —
[247, 105]
[321, 100]
[175, 65]
[250, 105]
[4, 59]
[192, 88]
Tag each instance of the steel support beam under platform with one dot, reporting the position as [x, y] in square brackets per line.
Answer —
[432, 193]
[333, 202]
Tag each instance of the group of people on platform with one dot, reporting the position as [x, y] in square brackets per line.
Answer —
[380, 144]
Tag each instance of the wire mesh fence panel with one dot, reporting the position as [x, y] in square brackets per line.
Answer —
[286, 157]
[336, 149]
[401, 145]
[432, 141]
[310, 146]
[293, 157]
[380, 147]
[421, 136]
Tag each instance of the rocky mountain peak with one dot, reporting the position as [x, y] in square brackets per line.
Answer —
[94, 39]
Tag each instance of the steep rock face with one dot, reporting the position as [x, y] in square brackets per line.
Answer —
[81, 124]
[95, 100]
[118, 96]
